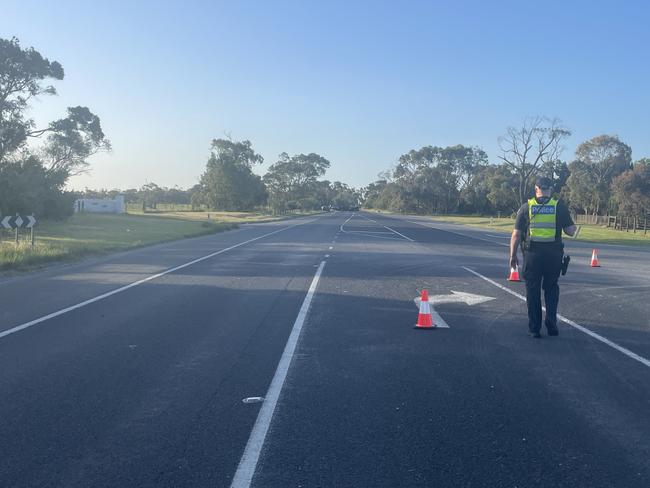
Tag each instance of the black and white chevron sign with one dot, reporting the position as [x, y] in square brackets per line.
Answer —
[17, 222]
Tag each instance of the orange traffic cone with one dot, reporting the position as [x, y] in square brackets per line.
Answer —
[594, 259]
[514, 274]
[424, 317]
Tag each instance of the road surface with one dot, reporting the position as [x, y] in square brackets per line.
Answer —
[131, 370]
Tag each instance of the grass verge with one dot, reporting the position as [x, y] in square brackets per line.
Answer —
[597, 234]
[232, 217]
[93, 234]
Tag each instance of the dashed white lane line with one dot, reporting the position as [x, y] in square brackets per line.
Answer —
[570, 322]
[331, 247]
[402, 235]
[52, 315]
[248, 463]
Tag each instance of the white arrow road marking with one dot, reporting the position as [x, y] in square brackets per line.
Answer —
[457, 297]
[438, 321]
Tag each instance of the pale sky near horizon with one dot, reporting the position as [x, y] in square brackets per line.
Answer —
[358, 82]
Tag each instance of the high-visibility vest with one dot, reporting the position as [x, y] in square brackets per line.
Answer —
[542, 218]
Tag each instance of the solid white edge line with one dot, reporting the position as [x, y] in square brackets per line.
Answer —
[248, 463]
[570, 322]
[402, 235]
[52, 315]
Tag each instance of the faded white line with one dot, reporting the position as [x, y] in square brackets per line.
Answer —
[393, 230]
[573, 324]
[52, 315]
[248, 463]
[458, 233]
[502, 236]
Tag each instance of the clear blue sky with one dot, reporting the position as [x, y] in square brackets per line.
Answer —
[357, 82]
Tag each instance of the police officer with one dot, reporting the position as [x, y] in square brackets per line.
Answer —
[539, 224]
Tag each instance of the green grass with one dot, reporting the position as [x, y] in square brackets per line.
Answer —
[597, 234]
[205, 215]
[92, 234]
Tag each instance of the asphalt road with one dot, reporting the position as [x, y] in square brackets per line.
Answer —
[130, 371]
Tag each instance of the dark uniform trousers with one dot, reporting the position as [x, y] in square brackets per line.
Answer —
[542, 267]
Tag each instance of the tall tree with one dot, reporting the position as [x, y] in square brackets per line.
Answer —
[631, 190]
[291, 180]
[70, 141]
[228, 182]
[526, 148]
[433, 177]
[604, 157]
[581, 190]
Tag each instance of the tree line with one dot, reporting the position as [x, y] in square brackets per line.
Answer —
[228, 183]
[37, 162]
[601, 178]
[291, 183]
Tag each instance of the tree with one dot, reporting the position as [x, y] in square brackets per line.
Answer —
[502, 188]
[526, 148]
[70, 141]
[344, 197]
[631, 190]
[228, 182]
[581, 190]
[433, 177]
[291, 180]
[372, 193]
[22, 72]
[73, 140]
[27, 187]
[598, 161]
